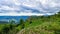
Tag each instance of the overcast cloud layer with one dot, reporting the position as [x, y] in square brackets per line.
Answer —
[29, 7]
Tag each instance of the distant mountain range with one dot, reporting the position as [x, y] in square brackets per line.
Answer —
[3, 22]
[5, 19]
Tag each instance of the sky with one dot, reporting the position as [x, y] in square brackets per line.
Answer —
[28, 7]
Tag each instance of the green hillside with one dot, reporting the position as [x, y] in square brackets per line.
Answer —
[33, 25]
[42, 25]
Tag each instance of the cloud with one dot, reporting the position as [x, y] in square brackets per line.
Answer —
[29, 7]
[50, 5]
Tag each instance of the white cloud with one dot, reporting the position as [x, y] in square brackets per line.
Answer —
[24, 14]
[50, 3]
[15, 6]
[7, 8]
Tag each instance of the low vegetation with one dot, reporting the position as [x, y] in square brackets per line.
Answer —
[42, 25]
[33, 25]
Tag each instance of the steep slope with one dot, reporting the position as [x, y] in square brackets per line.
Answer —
[42, 25]
[45, 28]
